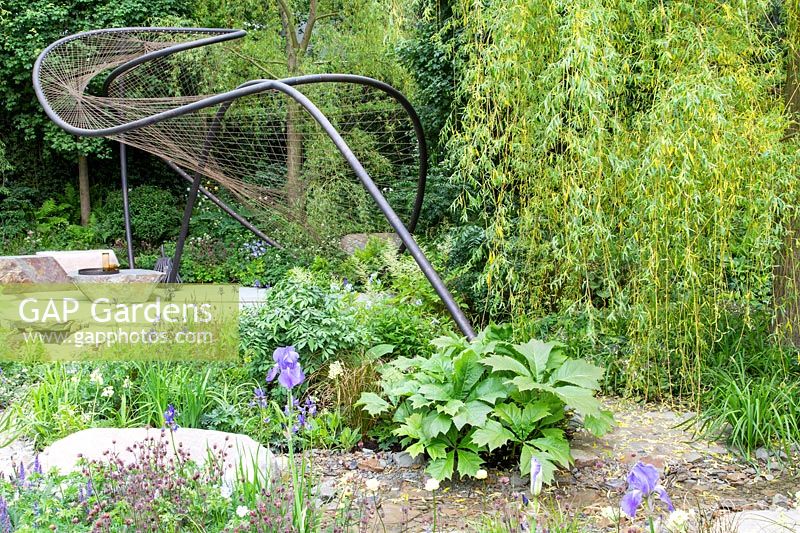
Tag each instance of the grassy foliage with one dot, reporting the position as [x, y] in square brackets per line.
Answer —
[629, 163]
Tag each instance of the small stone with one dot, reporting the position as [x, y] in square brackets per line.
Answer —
[367, 452]
[732, 504]
[584, 458]
[404, 459]
[518, 481]
[780, 500]
[693, 457]
[762, 454]
[371, 465]
[352, 464]
[326, 491]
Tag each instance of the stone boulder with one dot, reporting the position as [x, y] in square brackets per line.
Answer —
[31, 269]
[242, 453]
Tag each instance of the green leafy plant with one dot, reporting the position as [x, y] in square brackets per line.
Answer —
[318, 320]
[471, 398]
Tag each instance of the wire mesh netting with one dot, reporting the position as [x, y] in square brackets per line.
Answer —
[264, 147]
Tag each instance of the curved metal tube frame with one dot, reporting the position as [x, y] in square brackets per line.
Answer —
[255, 87]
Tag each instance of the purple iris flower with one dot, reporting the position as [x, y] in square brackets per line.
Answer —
[642, 485]
[169, 418]
[286, 362]
[259, 398]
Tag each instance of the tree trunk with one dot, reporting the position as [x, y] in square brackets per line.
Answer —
[786, 280]
[83, 188]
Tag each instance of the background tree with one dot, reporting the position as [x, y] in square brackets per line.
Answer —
[27, 28]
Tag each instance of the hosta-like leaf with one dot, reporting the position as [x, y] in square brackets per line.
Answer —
[451, 407]
[599, 425]
[537, 353]
[442, 468]
[578, 372]
[468, 463]
[501, 363]
[473, 413]
[437, 449]
[435, 424]
[415, 449]
[554, 443]
[412, 427]
[490, 390]
[373, 404]
[435, 392]
[492, 435]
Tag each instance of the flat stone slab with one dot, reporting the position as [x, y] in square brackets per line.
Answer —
[78, 259]
[358, 241]
[782, 521]
[31, 269]
[241, 451]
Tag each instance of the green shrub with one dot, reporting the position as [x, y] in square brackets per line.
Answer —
[155, 215]
[469, 399]
[318, 320]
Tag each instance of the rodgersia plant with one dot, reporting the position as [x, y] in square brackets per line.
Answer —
[469, 399]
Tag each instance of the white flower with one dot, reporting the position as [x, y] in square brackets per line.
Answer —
[679, 520]
[226, 491]
[126, 384]
[242, 511]
[481, 474]
[610, 513]
[335, 370]
[432, 485]
[96, 377]
[108, 392]
[373, 485]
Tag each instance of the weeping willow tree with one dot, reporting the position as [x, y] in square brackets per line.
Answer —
[628, 160]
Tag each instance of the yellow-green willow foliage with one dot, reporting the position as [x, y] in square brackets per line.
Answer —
[628, 159]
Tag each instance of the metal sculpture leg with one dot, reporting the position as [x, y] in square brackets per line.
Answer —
[225, 207]
[126, 208]
[187, 215]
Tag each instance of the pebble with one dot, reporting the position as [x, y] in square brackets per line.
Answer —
[780, 500]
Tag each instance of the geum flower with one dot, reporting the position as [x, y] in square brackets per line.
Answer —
[642, 486]
[286, 362]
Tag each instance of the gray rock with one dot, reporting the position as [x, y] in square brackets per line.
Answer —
[326, 491]
[780, 500]
[762, 454]
[92, 444]
[693, 457]
[584, 458]
[518, 481]
[404, 459]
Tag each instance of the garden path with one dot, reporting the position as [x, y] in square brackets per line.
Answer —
[700, 475]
